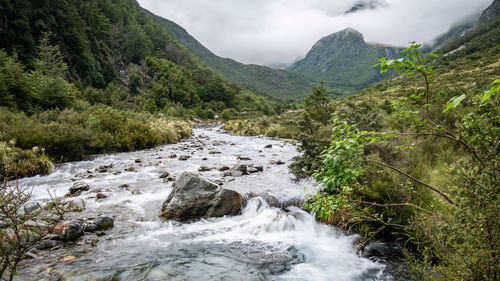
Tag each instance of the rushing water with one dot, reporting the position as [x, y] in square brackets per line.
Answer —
[263, 243]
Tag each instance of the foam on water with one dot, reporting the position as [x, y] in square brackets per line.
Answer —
[262, 243]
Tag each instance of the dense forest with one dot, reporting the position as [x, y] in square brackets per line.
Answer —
[107, 70]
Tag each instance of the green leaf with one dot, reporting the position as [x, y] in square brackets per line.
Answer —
[454, 102]
[494, 89]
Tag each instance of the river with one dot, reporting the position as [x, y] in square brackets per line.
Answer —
[262, 243]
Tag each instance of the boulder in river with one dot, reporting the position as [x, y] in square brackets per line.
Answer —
[193, 197]
[68, 230]
[104, 222]
[78, 188]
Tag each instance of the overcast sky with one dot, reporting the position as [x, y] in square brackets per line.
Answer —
[274, 32]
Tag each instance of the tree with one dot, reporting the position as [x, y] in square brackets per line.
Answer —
[48, 87]
[50, 62]
[137, 44]
[316, 104]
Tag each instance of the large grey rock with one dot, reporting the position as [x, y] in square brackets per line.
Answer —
[68, 230]
[104, 222]
[78, 188]
[193, 197]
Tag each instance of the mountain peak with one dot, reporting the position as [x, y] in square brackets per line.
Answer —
[345, 36]
[367, 5]
[350, 30]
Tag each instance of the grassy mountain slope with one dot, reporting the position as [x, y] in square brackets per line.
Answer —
[259, 79]
[344, 61]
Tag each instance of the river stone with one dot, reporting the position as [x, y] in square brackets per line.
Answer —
[78, 187]
[90, 227]
[104, 222]
[193, 197]
[224, 168]
[31, 207]
[68, 230]
[48, 244]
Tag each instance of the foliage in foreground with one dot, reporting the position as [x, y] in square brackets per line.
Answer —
[446, 206]
[22, 228]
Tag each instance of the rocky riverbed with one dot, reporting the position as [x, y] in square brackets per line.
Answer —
[118, 200]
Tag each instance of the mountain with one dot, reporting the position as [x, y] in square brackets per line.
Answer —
[456, 31]
[343, 60]
[483, 39]
[113, 42]
[467, 25]
[263, 80]
[366, 5]
[491, 13]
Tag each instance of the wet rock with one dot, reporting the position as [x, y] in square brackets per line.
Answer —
[138, 161]
[252, 170]
[204, 169]
[135, 191]
[214, 152]
[387, 250]
[173, 178]
[242, 168]
[130, 169]
[78, 188]
[31, 207]
[172, 156]
[259, 168]
[184, 157]
[164, 175]
[48, 244]
[244, 158]
[193, 197]
[204, 158]
[268, 146]
[104, 168]
[68, 230]
[224, 168]
[104, 222]
[101, 196]
[90, 227]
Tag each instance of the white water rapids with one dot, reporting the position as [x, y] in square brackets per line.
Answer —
[263, 243]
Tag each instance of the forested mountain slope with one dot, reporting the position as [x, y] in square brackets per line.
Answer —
[259, 79]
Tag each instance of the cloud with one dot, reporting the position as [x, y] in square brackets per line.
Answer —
[281, 31]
